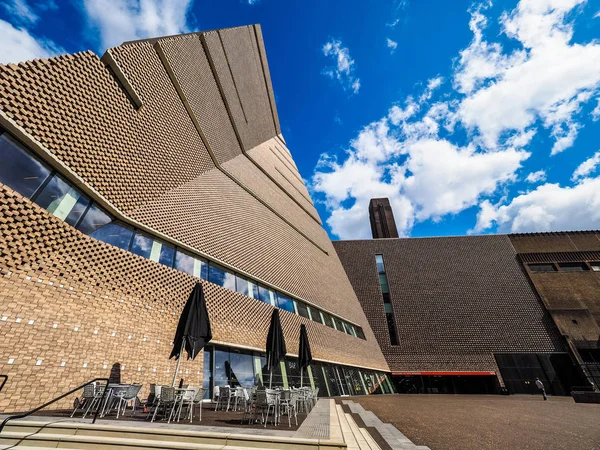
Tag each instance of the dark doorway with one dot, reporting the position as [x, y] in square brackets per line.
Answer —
[555, 370]
[446, 384]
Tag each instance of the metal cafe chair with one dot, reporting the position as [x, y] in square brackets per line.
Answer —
[240, 396]
[92, 395]
[224, 396]
[129, 395]
[166, 399]
[288, 404]
[272, 403]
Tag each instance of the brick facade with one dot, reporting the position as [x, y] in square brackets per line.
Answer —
[199, 163]
[456, 301]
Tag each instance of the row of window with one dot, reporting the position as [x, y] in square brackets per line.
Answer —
[387, 303]
[232, 367]
[25, 174]
[564, 267]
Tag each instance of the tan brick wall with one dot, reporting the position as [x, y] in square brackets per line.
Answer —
[153, 165]
[51, 273]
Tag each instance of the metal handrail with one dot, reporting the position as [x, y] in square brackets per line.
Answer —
[4, 380]
[72, 391]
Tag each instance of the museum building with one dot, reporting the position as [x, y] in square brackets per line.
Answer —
[127, 179]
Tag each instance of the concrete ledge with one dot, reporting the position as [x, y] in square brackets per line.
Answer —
[586, 396]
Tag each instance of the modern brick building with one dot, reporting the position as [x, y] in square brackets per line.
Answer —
[476, 313]
[126, 179]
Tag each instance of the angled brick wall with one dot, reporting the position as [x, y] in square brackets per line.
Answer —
[456, 300]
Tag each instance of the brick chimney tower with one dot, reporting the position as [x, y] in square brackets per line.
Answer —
[382, 220]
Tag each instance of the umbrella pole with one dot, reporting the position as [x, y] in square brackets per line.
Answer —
[178, 361]
[301, 376]
[271, 379]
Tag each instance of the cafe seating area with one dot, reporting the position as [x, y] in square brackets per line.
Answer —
[254, 406]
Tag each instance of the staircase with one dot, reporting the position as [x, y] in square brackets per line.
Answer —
[29, 435]
[372, 433]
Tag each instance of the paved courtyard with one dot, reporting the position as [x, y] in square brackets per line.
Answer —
[478, 422]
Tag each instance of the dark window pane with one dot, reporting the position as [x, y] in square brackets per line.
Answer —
[142, 245]
[315, 315]
[338, 324]
[246, 287]
[302, 309]
[285, 303]
[221, 372]
[379, 262]
[392, 328]
[266, 295]
[166, 255]
[542, 267]
[221, 277]
[328, 320]
[388, 307]
[595, 266]
[386, 297]
[114, 234]
[384, 283]
[360, 333]
[19, 170]
[94, 218]
[347, 328]
[62, 200]
[572, 267]
[241, 369]
[192, 265]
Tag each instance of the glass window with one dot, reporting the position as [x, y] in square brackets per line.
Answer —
[379, 261]
[241, 369]
[338, 324]
[62, 200]
[302, 309]
[347, 328]
[360, 333]
[595, 266]
[572, 267]
[384, 283]
[315, 314]
[266, 295]
[542, 267]
[207, 373]
[19, 170]
[94, 218]
[285, 303]
[246, 287]
[328, 320]
[166, 254]
[142, 245]
[192, 265]
[388, 308]
[220, 276]
[114, 234]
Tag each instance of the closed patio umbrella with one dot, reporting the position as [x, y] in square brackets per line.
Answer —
[193, 331]
[275, 344]
[304, 353]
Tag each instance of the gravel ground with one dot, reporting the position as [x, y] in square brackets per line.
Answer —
[478, 422]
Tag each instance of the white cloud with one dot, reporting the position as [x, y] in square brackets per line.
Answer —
[536, 177]
[417, 154]
[20, 11]
[253, 2]
[343, 70]
[19, 45]
[392, 45]
[596, 112]
[123, 20]
[396, 21]
[586, 167]
[549, 78]
[549, 207]
[423, 176]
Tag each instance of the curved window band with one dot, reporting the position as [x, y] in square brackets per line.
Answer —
[24, 173]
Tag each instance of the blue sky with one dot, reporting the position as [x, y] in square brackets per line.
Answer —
[472, 117]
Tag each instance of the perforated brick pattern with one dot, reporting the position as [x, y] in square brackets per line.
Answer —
[70, 104]
[53, 274]
[192, 70]
[456, 300]
[151, 163]
[264, 156]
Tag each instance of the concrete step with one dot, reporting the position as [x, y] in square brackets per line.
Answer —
[359, 435]
[393, 437]
[108, 437]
